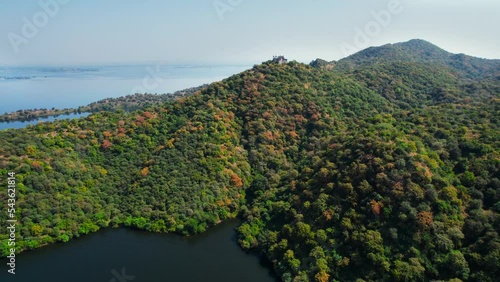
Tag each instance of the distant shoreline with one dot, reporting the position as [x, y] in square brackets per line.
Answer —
[126, 103]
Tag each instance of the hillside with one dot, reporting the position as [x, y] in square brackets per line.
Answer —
[418, 51]
[388, 171]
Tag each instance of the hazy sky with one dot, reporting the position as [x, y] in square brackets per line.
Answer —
[69, 32]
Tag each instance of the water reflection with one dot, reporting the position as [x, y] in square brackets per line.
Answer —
[211, 256]
[23, 124]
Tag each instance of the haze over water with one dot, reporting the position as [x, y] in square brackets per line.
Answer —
[70, 87]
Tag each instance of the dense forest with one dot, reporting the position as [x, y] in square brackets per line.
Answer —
[374, 168]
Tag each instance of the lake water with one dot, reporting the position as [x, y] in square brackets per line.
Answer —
[22, 124]
[213, 256]
[70, 87]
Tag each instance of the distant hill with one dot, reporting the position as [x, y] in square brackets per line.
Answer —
[415, 50]
[418, 51]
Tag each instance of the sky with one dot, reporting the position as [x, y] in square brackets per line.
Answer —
[86, 32]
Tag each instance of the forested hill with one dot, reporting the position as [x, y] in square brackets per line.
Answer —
[377, 173]
[418, 51]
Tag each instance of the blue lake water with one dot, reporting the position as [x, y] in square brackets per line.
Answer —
[69, 87]
[22, 124]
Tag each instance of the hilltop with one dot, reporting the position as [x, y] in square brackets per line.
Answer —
[418, 51]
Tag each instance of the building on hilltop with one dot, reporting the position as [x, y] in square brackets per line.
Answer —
[280, 60]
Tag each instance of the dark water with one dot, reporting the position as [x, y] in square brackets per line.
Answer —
[117, 255]
[22, 124]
